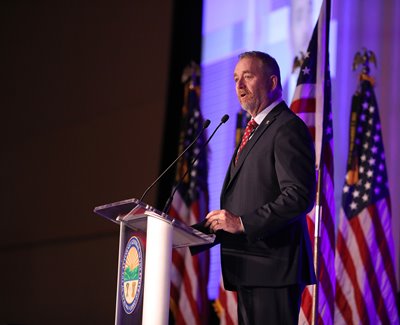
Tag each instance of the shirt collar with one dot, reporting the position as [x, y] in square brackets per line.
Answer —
[260, 116]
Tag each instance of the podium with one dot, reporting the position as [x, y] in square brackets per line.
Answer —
[146, 239]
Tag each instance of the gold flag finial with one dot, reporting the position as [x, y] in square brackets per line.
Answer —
[298, 61]
[364, 58]
[191, 73]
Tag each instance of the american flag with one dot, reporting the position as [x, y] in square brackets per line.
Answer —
[365, 277]
[189, 276]
[312, 102]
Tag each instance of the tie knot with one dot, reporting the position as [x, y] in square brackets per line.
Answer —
[252, 124]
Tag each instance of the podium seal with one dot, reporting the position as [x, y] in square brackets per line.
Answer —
[131, 275]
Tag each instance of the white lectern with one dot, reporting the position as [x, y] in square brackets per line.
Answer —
[147, 237]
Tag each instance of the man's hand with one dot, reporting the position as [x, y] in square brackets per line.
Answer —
[223, 219]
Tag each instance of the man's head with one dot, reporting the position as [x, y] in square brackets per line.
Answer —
[257, 81]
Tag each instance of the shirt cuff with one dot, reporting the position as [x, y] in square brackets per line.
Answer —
[241, 222]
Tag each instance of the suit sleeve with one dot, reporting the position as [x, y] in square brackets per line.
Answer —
[294, 159]
[206, 230]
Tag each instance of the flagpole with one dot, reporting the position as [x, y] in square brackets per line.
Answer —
[322, 64]
[317, 236]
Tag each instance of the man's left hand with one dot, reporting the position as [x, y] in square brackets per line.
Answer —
[224, 220]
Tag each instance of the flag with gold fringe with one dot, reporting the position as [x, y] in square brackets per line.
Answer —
[189, 275]
[365, 276]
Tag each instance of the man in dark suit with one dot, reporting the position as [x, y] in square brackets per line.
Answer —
[268, 189]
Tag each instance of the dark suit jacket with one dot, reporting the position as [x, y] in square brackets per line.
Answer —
[272, 187]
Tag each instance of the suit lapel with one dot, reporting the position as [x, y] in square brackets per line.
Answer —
[268, 120]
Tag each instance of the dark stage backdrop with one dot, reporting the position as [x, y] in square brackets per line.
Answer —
[83, 97]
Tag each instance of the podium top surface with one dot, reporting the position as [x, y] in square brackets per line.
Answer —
[134, 213]
[114, 210]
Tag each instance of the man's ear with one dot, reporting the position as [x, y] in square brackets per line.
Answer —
[273, 82]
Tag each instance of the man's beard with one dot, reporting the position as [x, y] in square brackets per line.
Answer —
[248, 104]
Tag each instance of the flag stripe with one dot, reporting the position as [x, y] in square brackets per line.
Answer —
[369, 269]
[327, 291]
[178, 265]
[303, 105]
[344, 307]
[189, 281]
[328, 222]
[328, 163]
[350, 268]
[227, 306]
[232, 316]
[347, 299]
[383, 245]
[380, 248]
[307, 302]
[305, 91]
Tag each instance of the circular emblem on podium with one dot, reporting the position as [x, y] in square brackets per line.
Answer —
[131, 275]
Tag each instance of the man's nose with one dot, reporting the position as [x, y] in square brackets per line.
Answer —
[240, 83]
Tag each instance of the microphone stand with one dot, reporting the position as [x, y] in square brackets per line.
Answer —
[205, 126]
[169, 201]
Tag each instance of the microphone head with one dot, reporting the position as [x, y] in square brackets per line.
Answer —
[206, 124]
[225, 118]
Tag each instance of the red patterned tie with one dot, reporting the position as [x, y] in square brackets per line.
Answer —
[250, 127]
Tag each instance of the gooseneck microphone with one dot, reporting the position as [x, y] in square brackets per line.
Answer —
[169, 201]
[205, 126]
